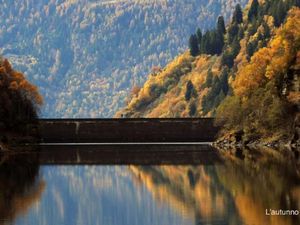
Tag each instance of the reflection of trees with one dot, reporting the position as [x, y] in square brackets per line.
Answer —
[239, 190]
[259, 180]
[192, 191]
[19, 185]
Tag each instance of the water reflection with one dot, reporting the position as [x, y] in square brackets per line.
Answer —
[236, 191]
[20, 186]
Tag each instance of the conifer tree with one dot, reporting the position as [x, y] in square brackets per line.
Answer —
[253, 11]
[221, 25]
[193, 45]
[233, 32]
[192, 109]
[190, 91]
[237, 15]
[199, 35]
[209, 79]
[205, 43]
[224, 81]
[280, 13]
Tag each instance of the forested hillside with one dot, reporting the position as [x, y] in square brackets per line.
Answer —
[85, 55]
[245, 73]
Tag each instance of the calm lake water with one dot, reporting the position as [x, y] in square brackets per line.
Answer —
[220, 187]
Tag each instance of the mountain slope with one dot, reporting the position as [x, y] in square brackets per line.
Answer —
[85, 55]
[257, 69]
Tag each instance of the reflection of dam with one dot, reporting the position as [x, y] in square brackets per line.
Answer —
[127, 130]
[127, 154]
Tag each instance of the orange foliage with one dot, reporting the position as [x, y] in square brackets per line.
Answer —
[294, 97]
[2, 70]
[7, 66]
[17, 82]
[13, 85]
[272, 60]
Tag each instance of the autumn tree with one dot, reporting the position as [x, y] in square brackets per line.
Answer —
[19, 99]
[259, 106]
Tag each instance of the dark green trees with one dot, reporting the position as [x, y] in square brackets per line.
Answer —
[221, 25]
[237, 15]
[235, 33]
[199, 35]
[190, 91]
[209, 79]
[219, 88]
[212, 42]
[193, 45]
[279, 8]
[253, 11]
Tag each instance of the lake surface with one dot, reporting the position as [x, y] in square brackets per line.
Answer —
[206, 186]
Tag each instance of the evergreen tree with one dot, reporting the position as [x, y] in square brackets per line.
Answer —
[267, 31]
[253, 11]
[241, 33]
[292, 3]
[190, 91]
[230, 54]
[219, 43]
[216, 86]
[233, 32]
[221, 25]
[250, 49]
[224, 81]
[237, 15]
[205, 43]
[193, 45]
[212, 43]
[221, 96]
[199, 36]
[227, 59]
[236, 47]
[209, 79]
[280, 13]
[212, 99]
[192, 109]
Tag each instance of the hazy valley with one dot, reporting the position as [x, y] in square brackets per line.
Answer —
[86, 55]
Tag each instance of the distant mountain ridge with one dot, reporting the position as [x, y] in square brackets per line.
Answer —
[85, 55]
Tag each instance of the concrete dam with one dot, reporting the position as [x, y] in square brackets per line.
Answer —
[175, 130]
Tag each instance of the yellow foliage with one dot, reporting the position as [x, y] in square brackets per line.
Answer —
[163, 80]
[253, 75]
[163, 93]
[241, 58]
[272, 60]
